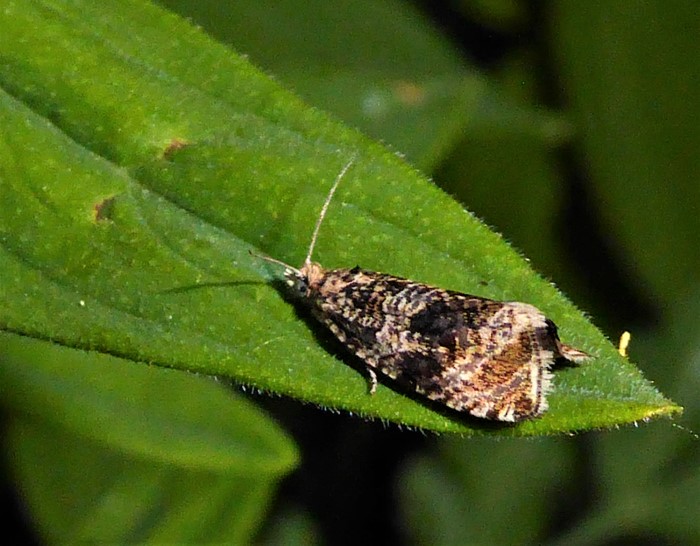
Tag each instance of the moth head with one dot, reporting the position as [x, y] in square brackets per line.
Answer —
[301, 280]
[296, 280]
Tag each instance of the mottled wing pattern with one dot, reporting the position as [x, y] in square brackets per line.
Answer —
[488, 358]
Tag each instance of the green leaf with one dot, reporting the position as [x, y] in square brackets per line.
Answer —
[136, 453]
[145, 161]
[80, 492]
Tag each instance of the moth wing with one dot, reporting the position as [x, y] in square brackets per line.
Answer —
[496, 367]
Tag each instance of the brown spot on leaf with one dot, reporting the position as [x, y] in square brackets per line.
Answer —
[174, 145]
[409, 93]
[103, 209]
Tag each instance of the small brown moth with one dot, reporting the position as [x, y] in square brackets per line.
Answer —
[488, 358]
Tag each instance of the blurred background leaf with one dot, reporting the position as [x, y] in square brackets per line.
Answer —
[107, 450]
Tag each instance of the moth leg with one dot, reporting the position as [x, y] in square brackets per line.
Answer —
[372, 380]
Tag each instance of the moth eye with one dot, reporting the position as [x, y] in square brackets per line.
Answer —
[302, 287]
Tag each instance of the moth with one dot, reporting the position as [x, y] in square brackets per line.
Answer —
[490, 359]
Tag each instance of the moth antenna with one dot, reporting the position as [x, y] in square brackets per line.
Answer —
[324, 209]
[275, 261]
